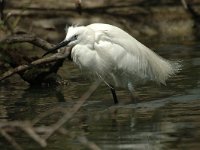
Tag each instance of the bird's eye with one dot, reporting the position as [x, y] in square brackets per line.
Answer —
[74, 38]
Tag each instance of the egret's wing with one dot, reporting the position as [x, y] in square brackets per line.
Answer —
[116, 35]
[146, 64]
[118, 63]
[119, 48]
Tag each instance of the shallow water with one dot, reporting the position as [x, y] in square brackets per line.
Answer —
[164, 118]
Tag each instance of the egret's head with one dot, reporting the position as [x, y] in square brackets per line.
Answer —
[75, 35]
[79, 35]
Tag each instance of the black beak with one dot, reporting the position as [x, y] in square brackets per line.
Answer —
[62, 44]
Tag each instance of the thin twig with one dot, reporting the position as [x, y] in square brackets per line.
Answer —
[184, 3]
[48, 113]
[25, 126]
[10, 140]
[76, 107]
[30, 131]
[83, 140]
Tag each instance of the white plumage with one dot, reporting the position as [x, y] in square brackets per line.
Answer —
[115, 56]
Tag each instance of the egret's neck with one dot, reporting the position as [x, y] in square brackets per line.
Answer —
[88, 39]
[90, 45]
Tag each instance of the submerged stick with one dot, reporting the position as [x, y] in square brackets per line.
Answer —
[34, 131]
[10, 140]
[75, 108]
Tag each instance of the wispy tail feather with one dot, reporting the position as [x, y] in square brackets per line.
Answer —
[162, 69]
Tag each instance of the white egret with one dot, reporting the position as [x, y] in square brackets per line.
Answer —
[116, 57]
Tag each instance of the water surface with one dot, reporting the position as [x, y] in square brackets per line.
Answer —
[166, 117]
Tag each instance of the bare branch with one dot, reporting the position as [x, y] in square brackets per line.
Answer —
[78, 4]
[21, 68]
[2, 6]
[30, 38]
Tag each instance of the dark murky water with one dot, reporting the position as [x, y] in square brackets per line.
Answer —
[165, 118]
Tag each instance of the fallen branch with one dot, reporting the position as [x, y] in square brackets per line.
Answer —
[30, 38]
[21, 68]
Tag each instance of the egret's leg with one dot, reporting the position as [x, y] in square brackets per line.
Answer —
[114, 95]
[132, 92]
[111, 88]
